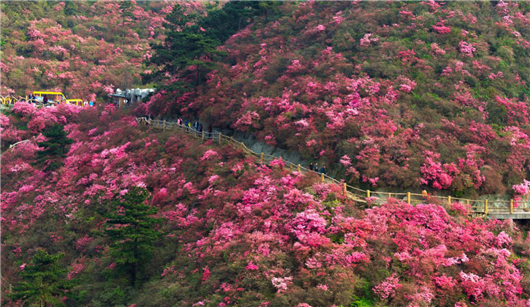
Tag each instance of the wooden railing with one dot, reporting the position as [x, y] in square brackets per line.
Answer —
[9, 100]
[478, 207]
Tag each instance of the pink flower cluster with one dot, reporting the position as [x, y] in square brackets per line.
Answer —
[388, 287]
[466, 48]
[368, 39]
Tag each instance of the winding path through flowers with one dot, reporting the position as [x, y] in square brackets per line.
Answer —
[499, 209]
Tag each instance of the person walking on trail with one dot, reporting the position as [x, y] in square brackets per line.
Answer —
[311, 166]
[426, 196]
[45, 99]
[323, 170]
[315, 168]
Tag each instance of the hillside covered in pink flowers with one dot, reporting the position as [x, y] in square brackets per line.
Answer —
[402, 94]
[97, 210]
[233, 232]
[85, 48]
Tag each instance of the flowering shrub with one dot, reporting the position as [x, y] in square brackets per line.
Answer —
[466, 48]
[436, 175]
[209, 154]
[367, 39]
[24, 108]
[388, 287]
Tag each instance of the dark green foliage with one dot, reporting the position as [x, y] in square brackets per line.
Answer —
[54, 149]
[70, 8]
[44, 281]
[192, 40]
[132, 231]
[183, 46]
[126, 8]
[233, 16]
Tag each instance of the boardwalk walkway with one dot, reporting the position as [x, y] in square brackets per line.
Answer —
[499, 209]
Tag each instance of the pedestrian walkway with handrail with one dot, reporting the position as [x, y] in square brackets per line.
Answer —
[501, 209]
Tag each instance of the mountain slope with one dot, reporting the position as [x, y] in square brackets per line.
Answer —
[404, 94]
[83, 48]
[235, 232]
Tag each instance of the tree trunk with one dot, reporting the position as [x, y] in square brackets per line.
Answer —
[135, 272]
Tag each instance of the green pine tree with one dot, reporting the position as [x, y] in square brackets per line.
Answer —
[54, 149]
[185, 46]
[192, 39]
[44, 281]
[126, 8]
[132, 231]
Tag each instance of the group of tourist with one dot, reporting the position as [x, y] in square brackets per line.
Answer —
[196, 125]
[32, 98]
[314, 168]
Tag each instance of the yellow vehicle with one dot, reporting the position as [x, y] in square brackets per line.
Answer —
[56, 98]
[77, 102]
[51, 97]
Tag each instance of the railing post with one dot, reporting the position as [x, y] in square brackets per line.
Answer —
[164, 126]
[322, 176]
[485, 207]
[203, 135]
[262, 158]
[389, 195]
[344, 188]
[449, 200]
[408, 198]
[511, 206]
[367, 193]
[299, 168]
